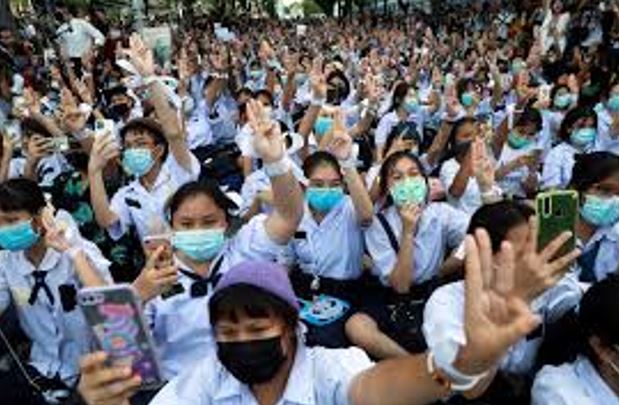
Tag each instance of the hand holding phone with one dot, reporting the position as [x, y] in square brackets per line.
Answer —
[557, 212]
[115, 315]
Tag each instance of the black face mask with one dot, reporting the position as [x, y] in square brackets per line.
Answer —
[254, 361]
[119, 111]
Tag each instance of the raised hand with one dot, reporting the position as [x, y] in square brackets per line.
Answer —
[341, 143]
[537, 270]
[37, 148]
[58, 235]
[153, 279]
[318, 79]
[268, 141]
[140, 56]
[104, 149]
[483, 169]
[495, 317]
[410, 215]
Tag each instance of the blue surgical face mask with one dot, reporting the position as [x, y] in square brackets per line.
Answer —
[200, 245]
[518, 141]
[411, 104]
[583, 137]
[256, 74]
[467, 99]
[20, 236]
[322, 126]
[562, 101]
[412, 190]
[137, 161]
[600, 212]
[613, 103]
[324, 199]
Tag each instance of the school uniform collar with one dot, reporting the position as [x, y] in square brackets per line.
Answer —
[335, 212]
[299, 387]
[607, 233]
[163, 178]
[593, 382]
[49, 262]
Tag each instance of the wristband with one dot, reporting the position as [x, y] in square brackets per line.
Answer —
[73, 251]
[351, 161]
[317, 102]
[458, 382]
[278, 168]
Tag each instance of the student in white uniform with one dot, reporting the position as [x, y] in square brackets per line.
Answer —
[456, 172]
[42, 161]
[160, 162]
[578, 134]
[261, 357]
[328, 245]
[596, 178]
[404, 104]
[407, 242]
[205, 247]
[43, 262]
[444, 323]
[517, 168]
[593, 377]
[608, 119]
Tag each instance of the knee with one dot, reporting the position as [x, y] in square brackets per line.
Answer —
[360, 328]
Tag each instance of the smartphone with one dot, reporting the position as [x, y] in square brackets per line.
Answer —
[115, 315]
[557, 212]
[60, 144]
[104, 127]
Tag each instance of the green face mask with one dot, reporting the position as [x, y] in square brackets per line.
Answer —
[517, 141]
[412, 190]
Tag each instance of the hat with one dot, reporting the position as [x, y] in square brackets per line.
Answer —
[269, 277]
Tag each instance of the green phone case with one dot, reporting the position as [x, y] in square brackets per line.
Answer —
[557, 212]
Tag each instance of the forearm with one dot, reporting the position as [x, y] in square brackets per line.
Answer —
[460, 182]
[401, 381]
[360, 197]
[30, 170]
[438, 144]
[98, 196]
[500, 138]
[5, 165]
[307, 124]
[87, 274]
[289, 92]
[401, 277]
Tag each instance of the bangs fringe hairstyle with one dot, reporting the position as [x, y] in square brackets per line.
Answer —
[252, 301]
[21, 195]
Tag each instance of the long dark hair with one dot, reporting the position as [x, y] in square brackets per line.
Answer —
[388, 166]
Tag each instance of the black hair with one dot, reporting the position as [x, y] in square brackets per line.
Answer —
[570, 119]
[153, 128]
[452, 146]
[30, 126]
[399, 95]
[403, 129]
[253, 301]
[21, 195]
[265, 93]
[599, 311]
[338, 95]
[530, 115]
[498, 218]
[207, 187]
[245, 91]
[389, 164]
[592, 168]
[462, 86]
[320, 158]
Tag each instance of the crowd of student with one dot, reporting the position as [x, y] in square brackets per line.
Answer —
[342, 213]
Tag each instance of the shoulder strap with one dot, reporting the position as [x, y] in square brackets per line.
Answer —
[393, 241]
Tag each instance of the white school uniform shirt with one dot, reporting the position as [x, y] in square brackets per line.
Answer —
[443, 322]
[607, 258]
[142, 208]
[181, 323]
[78, 36]
[198, 128]
[511, 184]
[332, 248]
[607, 140]
[558, 165]
[58, 338]
[470, 200]
[440, 228]
[48, 168]
[576, 383]
[318, 376]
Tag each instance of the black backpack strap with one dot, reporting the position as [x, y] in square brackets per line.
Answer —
[393, 241]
